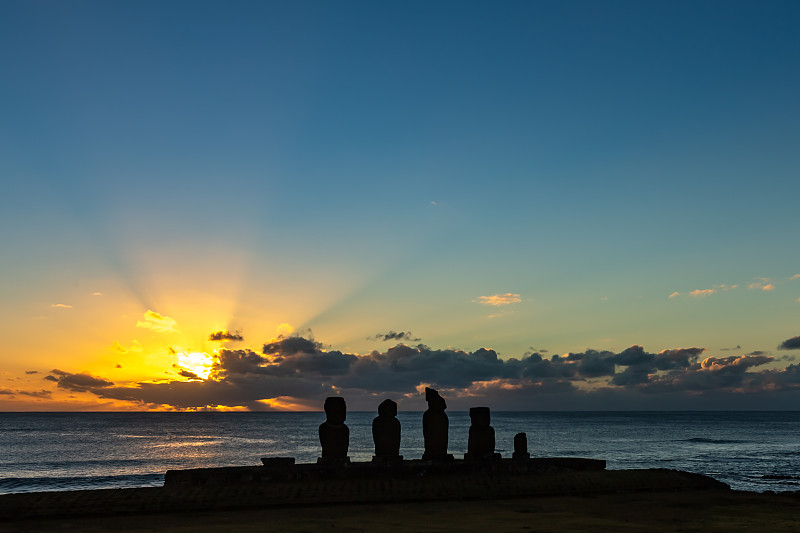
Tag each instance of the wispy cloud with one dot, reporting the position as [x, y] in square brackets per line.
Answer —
[761, 284]
[117, 347]
[796, 276]
[158, 322]
[395, 336]
[674, 294]
[225, 336]
[702, 293]
[61, 306]
[499, 299]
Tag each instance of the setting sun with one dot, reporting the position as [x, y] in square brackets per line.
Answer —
[197, 363]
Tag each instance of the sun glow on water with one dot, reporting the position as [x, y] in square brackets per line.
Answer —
[199, 363]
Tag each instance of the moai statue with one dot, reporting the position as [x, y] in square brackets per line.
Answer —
[480, 446]
[521, 447]
[334, 435]
[435, 427]
[386, 433]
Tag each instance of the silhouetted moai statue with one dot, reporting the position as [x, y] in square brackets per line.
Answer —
[480, 446]
[334, 435]
[386, 433]
[435, 427]
[521, 447]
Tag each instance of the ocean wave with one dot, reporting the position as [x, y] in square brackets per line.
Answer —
[51, 484]
[702, 440]
[781, 477]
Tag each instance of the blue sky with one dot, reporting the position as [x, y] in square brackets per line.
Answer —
[355, 168]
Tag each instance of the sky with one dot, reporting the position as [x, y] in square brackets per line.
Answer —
[528, 205]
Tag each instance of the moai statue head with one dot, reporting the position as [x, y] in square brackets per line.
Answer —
[480, 416]
[435, 402]
[387, 408]
[335, 410]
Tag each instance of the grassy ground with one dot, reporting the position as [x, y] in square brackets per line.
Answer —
[623, 512]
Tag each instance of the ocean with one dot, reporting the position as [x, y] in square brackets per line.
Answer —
[755, 451]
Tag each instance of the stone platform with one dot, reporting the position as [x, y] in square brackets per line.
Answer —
[194, 491]
[284, 470]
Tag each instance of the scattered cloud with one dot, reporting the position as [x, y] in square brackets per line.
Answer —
[302, 371]
[82, 382]
[674, 294]
[395, 336]
[97, 294]
[499, 299]
[504, 312]
[702, 293]
[158, 322]
[117, 347]
[29, 372]
[225, 336]
[790, 344]
[796, 276]
[43, 394]
[737, 347]
[61, 306]
[761, 284]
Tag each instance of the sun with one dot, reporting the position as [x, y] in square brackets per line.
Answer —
[199, 363]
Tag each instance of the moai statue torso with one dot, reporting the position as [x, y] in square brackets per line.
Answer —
[435, 426]
[334, 435]
[481, 434]
[386, 431]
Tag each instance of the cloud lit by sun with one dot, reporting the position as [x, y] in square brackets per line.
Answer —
[198, 363]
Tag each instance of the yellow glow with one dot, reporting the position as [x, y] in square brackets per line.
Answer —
[198, 362]
[285, 403]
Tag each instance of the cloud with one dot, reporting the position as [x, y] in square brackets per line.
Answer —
[796, 276]
[117, 347]
[674, 295]
[702, 293]
[225, 336]
[395, 336]
[31, 372]
[158, 322]
[51, 378]
[61, 306]
[790, 344]
[303, 372]
[82, 382]
[761, 284]
[43, 394]
[499, 299]
[97, 294]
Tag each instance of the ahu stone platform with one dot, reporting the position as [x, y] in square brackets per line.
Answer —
[213, 489]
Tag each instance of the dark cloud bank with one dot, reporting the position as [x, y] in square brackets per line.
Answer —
[302, 371]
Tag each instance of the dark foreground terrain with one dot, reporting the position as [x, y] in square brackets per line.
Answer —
[633, 500]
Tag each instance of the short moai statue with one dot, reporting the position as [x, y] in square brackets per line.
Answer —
[386, 433]
[480, 446]
[435, 427]
[334, 435]
[521, 447]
